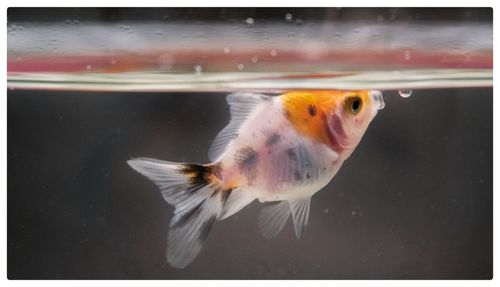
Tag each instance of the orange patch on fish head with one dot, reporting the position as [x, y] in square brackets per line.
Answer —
[335, 118]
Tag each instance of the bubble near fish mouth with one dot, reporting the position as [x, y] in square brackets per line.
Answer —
[378, 99]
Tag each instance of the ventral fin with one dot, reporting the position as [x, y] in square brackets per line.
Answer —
[242, 106]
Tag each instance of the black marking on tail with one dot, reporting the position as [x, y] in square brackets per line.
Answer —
[188, 215]
[199, 174]
[205, 228]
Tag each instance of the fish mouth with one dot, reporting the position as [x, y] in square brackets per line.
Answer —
[378, 99]
[336, 133]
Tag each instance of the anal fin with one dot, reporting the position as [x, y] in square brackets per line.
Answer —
[300, 214]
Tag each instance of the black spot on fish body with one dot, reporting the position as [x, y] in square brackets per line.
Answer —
[291, 154]
[312, 110]
[247, 159]
[308, 175]
[273, 139]
[246, 156]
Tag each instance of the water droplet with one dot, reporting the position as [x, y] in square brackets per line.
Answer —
[274, 53]
[76, 22]
[88, 67]
[241, 67]
[405, 93]
[198, 69]
[326, 210]
[289, 17]
[255, 59]
[227, 50]
[353, 212]
[249, 21]
[159, 33]
[298, 21]
[67, 22]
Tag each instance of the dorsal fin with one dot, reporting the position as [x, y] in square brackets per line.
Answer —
[242, 106]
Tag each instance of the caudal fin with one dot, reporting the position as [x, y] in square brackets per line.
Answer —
[195, 192]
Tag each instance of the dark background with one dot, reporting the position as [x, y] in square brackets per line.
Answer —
[413, 201]
[233, 14]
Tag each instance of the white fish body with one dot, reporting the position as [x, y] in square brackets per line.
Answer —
[279, 150]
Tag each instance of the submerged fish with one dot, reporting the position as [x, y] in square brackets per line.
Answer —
[279, 150]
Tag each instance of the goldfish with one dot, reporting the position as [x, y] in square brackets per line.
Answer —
[280, 150]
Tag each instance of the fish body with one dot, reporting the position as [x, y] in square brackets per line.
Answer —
[279, 150]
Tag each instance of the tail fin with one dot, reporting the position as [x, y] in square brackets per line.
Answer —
[195, 192]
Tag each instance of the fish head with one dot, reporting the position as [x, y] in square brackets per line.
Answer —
[351, 115]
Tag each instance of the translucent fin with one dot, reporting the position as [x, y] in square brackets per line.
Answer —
[166, 175]
[300, 214]
[241, 106]
[190, 227]
[197, 202]
[238, 199]
[273, 217]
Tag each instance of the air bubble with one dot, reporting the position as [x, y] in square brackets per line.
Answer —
[289, 17]
[227, 50]
[241, 67]
[254, 59]
[249, 21]
[405, 93]
[198, 69]
[274, 53]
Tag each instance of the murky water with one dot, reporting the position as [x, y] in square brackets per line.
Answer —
[413, 201]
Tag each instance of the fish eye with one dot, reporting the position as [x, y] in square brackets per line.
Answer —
[354, 104]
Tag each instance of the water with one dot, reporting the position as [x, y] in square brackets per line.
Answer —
[414, 200]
